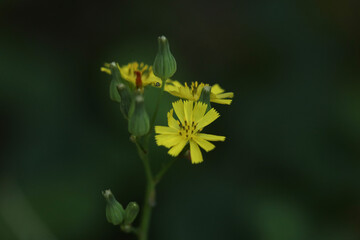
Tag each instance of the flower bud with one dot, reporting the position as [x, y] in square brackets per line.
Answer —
[125, 96]
[139, 123]
[114, 210]
[131, 213]
[114, 95]
[164, 65]
[113, 70]
[205, 96]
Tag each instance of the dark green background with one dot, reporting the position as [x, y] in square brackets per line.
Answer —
[289, 169]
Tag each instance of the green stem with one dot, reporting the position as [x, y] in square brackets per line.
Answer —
[149, 200]
[147, 209]
[150, 193]
[164, 169]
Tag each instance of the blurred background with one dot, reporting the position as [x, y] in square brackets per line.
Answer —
[289, 169]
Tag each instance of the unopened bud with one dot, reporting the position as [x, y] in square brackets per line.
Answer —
[114, 210]
[114, 95]
[164, 65]
[205, 96]
[139, 123]
[115, 73]
[131, 213]
[125, 96]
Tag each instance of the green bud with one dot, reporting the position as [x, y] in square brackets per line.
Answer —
[114, 210]
[114, 95]
[115, 73]
[164, 65]
[131, 213]
[139, 123]
[125, 102]
[205, 96]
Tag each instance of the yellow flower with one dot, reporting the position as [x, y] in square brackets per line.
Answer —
[140, 75]
[193, 92]
[192, 119]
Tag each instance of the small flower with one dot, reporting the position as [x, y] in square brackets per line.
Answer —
[139, 75]
[193, 92]
[192, 118]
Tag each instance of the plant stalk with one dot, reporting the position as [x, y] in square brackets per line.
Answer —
[149, 199]
[150, 192]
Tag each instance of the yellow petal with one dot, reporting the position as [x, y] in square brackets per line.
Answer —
[175, 150]
[183, 91]
[165, 130]
[171, 120]
[207, 146]
[187, 94]
[124, 70]
[217, 89]
[127, 73]
[170, 88]
[173, 83]
[221, 101]
[168, 140]
[211, 137]
[179, 110]
[199, 89]
[188, 108]
[106, 70]
[196, 156]
[209, 117]
[150, 78]
[134, 65]
[199, 111]
[176, 94]
[225, 95]
[143, 67]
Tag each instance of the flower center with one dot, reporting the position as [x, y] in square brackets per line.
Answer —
[188, 129]
[138, 81]
[193, 88]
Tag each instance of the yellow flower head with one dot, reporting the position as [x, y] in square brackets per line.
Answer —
[140, 75]
[193, 92]
[192, 118]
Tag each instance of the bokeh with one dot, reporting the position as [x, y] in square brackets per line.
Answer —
[289, 169]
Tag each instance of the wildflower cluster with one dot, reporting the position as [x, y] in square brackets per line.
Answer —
[186, 121]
